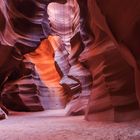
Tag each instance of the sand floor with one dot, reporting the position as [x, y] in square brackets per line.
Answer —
[53, 125]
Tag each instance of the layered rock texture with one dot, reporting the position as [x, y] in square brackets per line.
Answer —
[113, 61]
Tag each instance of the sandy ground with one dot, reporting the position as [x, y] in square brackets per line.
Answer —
[52, 125]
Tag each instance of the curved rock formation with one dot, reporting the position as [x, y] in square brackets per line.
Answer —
[114, 92]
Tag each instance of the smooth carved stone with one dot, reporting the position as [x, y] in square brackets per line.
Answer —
[2, 22]
[44, 62]
[76, 79]
[22, 93]
[128, 30]
[113, 95]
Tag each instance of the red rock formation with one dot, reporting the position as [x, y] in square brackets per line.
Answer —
[115, 92]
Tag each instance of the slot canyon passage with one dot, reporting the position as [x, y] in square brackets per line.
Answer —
[69, 69]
